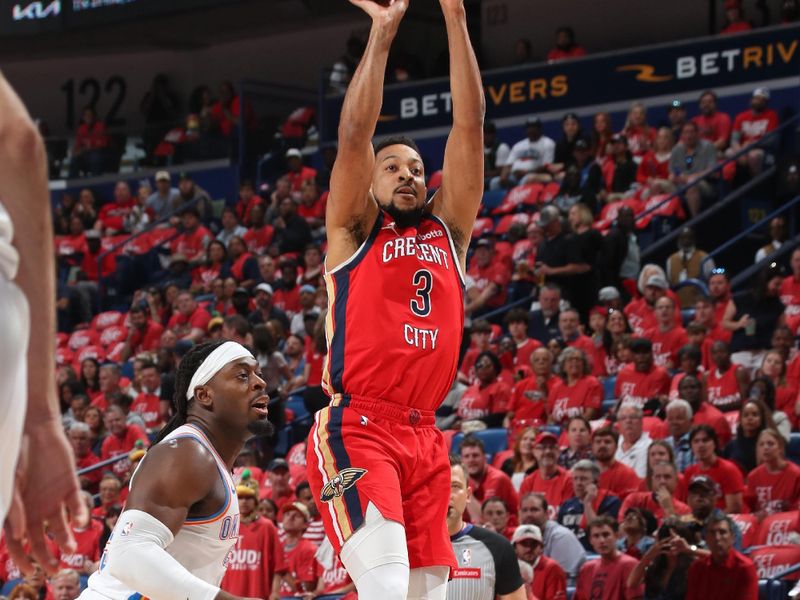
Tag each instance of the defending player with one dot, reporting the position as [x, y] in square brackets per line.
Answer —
[376, 463]
[182, 515]
[27, 327]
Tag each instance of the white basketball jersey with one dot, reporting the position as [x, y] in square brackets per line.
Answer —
[9, 257]
[202, 544]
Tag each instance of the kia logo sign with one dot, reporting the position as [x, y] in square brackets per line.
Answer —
[36, 11]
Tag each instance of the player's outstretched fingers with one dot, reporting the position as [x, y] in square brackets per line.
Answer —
[39, 550]
[58, 527]
[15, 533]
[77, 507]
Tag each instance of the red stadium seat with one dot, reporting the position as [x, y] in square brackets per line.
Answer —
[517, 196]
[505, 223]
[549, 192]
[82, 338]
[748, 525]
[435, 182]
[108, 318]
[95, 352]
[773, 560]
[64, 356]
[775, 529]
[113, 335]
[481, 227]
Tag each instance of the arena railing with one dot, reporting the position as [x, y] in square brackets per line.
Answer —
[769, 138]
[786, 248]
[747, 231]
[173, 213]
[736, 195]
[101, 464]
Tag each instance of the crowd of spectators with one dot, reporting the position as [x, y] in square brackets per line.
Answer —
[653, 438]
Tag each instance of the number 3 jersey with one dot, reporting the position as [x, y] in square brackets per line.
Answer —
[396, 316]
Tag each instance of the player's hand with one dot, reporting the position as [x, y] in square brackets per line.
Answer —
[46, 485]
[383, 12]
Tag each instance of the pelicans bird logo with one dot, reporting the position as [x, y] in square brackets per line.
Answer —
[343, 480]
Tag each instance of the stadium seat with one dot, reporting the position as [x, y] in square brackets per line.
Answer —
[493, 198]
[763, 589]
[793, 449]
[687, 315]
[554, 429]
[609, 383]
[570, 592]
[435, 182]
[296, 405]
[494, 440]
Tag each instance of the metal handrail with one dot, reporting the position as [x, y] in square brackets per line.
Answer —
[718, 168]
[787, 247]
[101, 257]
[748, 230]
[713, 209]
[101, 464]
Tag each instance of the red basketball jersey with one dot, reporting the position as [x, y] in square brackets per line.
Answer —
[396, 316]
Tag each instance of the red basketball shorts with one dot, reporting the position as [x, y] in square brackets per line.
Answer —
[362, 451]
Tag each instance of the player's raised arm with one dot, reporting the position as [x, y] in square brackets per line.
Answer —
[351, 209]
[459, 197]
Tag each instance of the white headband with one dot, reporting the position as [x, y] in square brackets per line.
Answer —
[214, 362]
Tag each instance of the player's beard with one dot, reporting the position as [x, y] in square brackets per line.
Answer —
[408, 217]
[261, 428]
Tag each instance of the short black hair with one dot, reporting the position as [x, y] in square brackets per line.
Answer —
[393, 140]
[472, 441]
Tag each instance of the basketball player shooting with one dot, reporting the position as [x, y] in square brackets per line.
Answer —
[377, 465]
[182, 516]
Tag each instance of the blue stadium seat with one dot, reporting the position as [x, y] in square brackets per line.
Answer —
[687, 315]
[493, 198]
[295, 403]
[495, 440]
[570, 592]
[554, 429]
[793, 449]
[608, 387]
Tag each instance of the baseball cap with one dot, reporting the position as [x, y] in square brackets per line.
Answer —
[580, 144]
[762, 91]
[215, 322]
[91, 234]
[547, 215]
[730, 4]
[184, 175]
[704, 482]
[241, 290]
[484, 243]
[307, 288]
[264, 287]
[163, 176]
[297, 507]
[526, 532]
[675, 105]
[278, 463]
[618, 137]
[530, 121]
[607, 294]
[545, 436]
[657, 281]
[294, 153]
